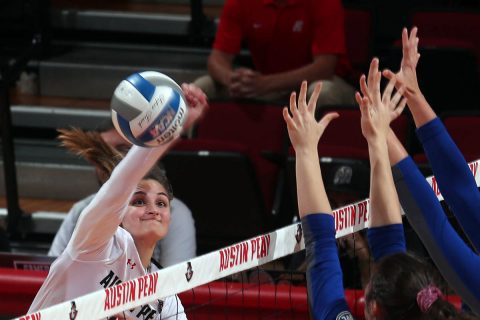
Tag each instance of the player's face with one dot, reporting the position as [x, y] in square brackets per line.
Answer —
[148, 215]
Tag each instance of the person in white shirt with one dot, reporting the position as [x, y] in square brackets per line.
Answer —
[116, 233]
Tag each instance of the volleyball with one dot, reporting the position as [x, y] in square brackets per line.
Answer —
[148, 108]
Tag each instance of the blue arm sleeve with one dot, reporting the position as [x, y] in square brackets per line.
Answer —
[386, 240]
[324, 275]
[453, 176]
[456, 261]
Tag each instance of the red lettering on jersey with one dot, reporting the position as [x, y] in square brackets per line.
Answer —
[106, 305]
[131, 264]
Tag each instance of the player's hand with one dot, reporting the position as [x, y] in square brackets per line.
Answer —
[378, 110]
[197, 104]
[303, 129]
[407, 75]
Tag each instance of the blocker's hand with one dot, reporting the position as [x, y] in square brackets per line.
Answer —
[303, 129]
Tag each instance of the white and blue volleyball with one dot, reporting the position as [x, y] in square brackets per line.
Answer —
[148, 108]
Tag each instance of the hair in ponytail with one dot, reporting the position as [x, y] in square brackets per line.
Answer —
[405, 287]
[90, 146]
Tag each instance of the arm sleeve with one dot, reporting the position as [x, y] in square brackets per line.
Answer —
[180, 243]
[458, 264]
[324, 276]
[65, 231]
[329, 33]
[229, 33]
[100, 219]
[386, 240]
[453, 176]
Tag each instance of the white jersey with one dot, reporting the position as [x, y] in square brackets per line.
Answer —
[100, 254]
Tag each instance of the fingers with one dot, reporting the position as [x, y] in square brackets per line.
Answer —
[396, 97]
[288, 119]
[364, 87]
[405, 44]
[358, 97]
[387, 73]
[372, 71]
[410, 46]
[387, 93]
[363, 103]
[302, 98]
[293, 104]
[376, 85]
[413, 35]
[326, 119]
[400, 107]
[373, 85]
[312, 103]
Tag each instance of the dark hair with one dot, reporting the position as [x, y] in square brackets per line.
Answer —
[158, 173]
[395, 284]
[95, 150]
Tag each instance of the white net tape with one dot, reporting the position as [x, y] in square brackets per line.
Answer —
[210, 267]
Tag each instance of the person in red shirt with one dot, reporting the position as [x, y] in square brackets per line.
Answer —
[289, 41]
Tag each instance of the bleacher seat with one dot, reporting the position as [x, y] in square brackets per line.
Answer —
[217, 181]
[460, 26]
[258, 125]
[449, 67]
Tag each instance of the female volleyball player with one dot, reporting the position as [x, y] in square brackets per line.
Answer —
[403, 287]
[458, 263]
[116, 233]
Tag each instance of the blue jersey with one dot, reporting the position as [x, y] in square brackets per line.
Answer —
[324, 275]
[458, 264]
[453, 176]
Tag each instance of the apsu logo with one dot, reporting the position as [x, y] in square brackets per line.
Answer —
[73, 311]
[131, 264]
[298, 235]
[344, 315]
[189, 273]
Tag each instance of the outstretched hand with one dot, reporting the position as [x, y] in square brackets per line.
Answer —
[303, 129]
[407, 75]
[197, 104]
[378, 110]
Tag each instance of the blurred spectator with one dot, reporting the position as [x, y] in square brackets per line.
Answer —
[289, 41]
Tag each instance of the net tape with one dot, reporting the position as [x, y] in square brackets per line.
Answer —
[212, 266]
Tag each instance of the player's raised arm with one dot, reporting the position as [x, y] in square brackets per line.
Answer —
[324, 276]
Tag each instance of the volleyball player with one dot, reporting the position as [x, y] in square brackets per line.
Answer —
[458, 263]
[403, 287]
[116, 234]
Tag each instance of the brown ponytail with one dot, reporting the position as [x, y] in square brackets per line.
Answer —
[396, 284]
[91, 146]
